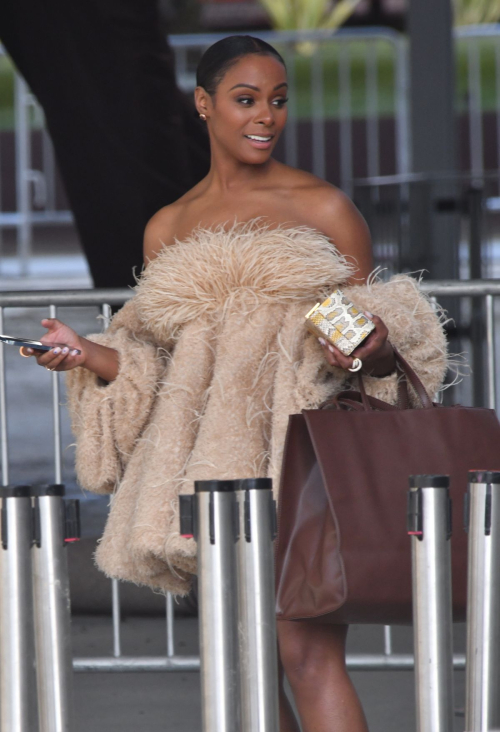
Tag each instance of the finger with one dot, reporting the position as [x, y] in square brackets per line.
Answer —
[334, 356]
[26, 352]
[54, 355]
[52, 323]
[329, 355]
[58, 363]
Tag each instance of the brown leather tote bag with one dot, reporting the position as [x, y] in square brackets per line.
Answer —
[343, 554]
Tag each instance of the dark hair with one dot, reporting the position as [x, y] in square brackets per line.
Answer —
[218, 59]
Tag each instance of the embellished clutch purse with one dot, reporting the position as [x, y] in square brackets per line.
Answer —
[339, 322]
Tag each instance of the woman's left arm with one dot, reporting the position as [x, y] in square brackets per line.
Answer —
[341, 221]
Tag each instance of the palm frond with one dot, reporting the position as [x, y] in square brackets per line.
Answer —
[308, 14]
[472, 12]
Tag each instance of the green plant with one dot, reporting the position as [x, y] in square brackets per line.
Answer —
[470, 12]
[308, 14]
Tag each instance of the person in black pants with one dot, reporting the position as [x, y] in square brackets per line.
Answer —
[126, 139]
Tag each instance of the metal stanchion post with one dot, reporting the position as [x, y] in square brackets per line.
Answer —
[257, 618]
[17, 659]
[429, 524]
[56, 522]
[482, 697]
[210, 516]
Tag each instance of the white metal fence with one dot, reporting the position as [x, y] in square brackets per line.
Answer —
[487, 292]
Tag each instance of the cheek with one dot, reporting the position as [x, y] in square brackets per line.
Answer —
[282, 118]
[232, 121]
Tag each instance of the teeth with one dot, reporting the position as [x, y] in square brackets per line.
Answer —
[258, 138]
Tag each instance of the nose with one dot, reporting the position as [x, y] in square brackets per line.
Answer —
[265, 115]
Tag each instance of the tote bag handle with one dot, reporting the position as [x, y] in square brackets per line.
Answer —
[360, 401]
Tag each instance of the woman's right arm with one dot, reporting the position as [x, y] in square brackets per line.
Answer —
[71, 350]
[99, 359]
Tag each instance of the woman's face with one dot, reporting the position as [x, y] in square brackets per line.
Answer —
[248, 111]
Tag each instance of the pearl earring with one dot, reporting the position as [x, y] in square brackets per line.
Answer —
[203, 117]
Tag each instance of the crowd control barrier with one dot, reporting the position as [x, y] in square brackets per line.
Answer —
[233, 523]
[36, 524]
[482, 697]
[430, 528]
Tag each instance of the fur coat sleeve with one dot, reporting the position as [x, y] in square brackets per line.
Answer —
[107, 419]
[415, 328]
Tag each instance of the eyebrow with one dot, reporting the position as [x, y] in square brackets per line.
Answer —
[256, 88]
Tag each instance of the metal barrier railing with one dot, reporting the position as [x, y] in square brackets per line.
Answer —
[105, 299]
[412, 216]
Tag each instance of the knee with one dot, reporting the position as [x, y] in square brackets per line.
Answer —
[309, 652]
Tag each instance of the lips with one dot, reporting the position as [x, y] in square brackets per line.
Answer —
[261, 142]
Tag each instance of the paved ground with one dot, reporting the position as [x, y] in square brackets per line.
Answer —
[154, 702]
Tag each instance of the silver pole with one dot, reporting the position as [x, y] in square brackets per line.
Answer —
[318, 115]
[17, 671]
[345, 114]
[170, 618]
[257, 619]
[116, 615]
[291, 133]
[430, 527]
[482, 698]
[23, 162]
[216, 536]
[372, 113]
[4, 434]
[491, 356]
[402, 104]
[56, 415]
[52, 612]
[475, 113]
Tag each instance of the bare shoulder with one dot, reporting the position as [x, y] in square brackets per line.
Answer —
[160, 231]
[328, 209]
[334, 212]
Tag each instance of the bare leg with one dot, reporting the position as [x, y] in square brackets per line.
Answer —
[288, 723]
[313, 657]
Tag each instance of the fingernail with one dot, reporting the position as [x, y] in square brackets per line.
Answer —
[65, 350]
[331, 349]
[56, 350]
[74, 352]
[30, 351]
[368, 315]
[322, 341]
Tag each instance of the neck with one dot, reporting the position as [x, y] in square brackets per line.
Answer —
[229, 175]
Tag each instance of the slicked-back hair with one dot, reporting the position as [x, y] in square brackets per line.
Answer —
[223, 54]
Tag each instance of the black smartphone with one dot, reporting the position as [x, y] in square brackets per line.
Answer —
[35, 345]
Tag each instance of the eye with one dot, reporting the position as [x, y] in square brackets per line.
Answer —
[280, 102]
[246, 101]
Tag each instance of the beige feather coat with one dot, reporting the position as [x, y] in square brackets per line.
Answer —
[214, 356]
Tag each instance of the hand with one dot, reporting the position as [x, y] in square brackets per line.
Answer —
[64, 356]
[375, 352]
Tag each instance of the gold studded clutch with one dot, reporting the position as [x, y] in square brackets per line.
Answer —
[339, 322]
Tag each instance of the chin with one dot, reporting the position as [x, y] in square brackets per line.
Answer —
[258, 157]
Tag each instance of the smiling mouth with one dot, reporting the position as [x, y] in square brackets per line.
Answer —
[260, 138]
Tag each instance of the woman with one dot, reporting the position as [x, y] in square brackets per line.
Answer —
[198, 373]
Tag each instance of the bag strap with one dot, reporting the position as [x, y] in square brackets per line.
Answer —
[360, 401]
[403, 396]
[352, 400]
[412, 377]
